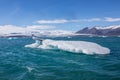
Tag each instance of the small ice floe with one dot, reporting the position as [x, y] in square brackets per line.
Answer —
[68, 37]
[91, 36]
[29, 68]
[118, 36]
[104, 36]
[11, 38]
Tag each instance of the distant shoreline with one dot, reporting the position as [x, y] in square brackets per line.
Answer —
[22, 36]
[14, 36]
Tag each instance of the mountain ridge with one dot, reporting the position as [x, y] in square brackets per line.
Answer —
[105, 31]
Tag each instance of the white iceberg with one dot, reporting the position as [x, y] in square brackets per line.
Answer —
[71, 46]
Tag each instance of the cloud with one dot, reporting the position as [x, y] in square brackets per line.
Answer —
[52, 21]
[40, 27]
[91, 20]
[10, 29]
[5, 29]
[66, 21]
[109, 19]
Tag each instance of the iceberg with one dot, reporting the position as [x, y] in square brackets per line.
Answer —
[71, 46]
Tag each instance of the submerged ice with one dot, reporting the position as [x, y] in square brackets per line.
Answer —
[71, 46]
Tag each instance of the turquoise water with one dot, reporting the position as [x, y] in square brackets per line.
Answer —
[20, 63]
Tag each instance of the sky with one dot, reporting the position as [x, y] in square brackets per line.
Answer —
[59, 14]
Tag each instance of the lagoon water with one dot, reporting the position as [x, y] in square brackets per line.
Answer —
[20, 63]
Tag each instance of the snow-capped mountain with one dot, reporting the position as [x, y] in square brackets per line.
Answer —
[108, 27]
[107, 31]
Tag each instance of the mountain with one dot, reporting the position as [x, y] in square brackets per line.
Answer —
[105, 31]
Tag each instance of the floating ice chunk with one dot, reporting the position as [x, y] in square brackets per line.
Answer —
[34, 45]
[69, 37]
[10, 38]
[72, 46]
[118, 36]
[29, 69]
